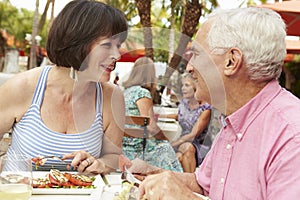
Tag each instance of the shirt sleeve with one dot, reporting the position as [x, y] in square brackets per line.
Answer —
[283, 174]
[142, 93]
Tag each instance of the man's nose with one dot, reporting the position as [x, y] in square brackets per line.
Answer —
[189, 68]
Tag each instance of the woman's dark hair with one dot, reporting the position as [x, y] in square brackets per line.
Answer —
[77, 26]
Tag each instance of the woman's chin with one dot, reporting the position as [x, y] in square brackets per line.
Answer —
[104, 78]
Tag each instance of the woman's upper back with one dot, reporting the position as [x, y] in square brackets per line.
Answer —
[131, 96]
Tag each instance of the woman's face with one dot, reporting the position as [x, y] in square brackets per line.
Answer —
[188, 88]
[101, 60]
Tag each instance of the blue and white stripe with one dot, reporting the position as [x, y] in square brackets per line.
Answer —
[30, 135]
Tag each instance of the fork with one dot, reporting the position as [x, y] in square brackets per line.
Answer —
[127, 175]
[53, 157]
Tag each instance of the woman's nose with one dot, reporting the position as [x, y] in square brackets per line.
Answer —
[116, 55]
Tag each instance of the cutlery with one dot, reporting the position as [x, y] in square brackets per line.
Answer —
[54, 158]
[105, 180]
[127, 175]
[54, 162]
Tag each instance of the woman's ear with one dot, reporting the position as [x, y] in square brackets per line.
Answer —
[233, 62]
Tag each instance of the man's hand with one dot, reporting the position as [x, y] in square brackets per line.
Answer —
[165, 186]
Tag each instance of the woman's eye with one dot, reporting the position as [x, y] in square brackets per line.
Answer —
[107, 44]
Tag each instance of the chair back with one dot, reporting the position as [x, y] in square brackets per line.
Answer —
[136, 132]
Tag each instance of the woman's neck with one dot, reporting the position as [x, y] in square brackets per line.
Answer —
[193, 103]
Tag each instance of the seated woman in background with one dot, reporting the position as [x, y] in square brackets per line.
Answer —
[140, 85]
[193, 117]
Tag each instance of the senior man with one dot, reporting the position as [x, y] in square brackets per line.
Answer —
[237, 58]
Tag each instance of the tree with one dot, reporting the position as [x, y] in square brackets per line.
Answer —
[144, 10]
[32, 60]
[44, 16]
[191, 20]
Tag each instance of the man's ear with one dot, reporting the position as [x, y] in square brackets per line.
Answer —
[233, 62]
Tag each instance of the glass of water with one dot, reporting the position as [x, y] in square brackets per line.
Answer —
[15, 177]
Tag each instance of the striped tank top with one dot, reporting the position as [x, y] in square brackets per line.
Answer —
[31, 136]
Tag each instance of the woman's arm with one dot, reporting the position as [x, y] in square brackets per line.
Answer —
[145, 106]
[15, 98]
[172, 116]
[200, 125]
[113, 123]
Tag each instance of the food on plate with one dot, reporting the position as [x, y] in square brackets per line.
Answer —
[80, 180]
[57, 179]
[39, 160]
[129, 191]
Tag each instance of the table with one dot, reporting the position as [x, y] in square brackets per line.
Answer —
[114, 179]
[164, 110]
[170, 129]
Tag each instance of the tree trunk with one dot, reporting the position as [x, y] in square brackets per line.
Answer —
[43, 17]
[289, 78]
[144, 10]
[32, 61]
[191, 20]
[172, 32]
[52, 13]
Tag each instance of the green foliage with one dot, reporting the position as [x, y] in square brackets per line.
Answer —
[18, 22]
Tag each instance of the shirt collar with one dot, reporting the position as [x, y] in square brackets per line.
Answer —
[241, 119]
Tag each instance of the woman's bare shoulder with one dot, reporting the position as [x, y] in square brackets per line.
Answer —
[111, 89]
[26, 80]
[22, 84]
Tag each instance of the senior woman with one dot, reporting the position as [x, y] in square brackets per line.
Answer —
[63, 109]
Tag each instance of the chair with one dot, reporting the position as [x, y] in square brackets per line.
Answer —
[137, 132]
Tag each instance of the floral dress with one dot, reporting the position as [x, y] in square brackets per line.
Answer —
[186, 119]
[158, 153]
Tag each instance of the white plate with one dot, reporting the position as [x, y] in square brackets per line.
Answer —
[98, 182]
[167, 120]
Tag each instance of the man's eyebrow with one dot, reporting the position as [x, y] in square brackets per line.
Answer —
[193, 49]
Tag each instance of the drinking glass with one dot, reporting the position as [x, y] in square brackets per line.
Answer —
[15, 177]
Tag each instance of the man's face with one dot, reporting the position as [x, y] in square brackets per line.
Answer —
[207, 70]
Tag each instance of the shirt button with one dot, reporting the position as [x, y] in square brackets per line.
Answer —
[239, 135]
[222, 180]
[228, 146]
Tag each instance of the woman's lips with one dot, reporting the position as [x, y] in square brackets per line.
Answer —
[108, 68]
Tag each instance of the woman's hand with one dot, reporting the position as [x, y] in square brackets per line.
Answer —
[85, 163]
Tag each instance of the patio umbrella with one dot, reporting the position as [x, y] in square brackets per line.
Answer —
[292, 46]
[290, 13]
[131, 56]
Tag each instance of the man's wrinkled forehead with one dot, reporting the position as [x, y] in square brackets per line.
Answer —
[200, 40]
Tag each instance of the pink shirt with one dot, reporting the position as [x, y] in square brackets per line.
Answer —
[257, 153]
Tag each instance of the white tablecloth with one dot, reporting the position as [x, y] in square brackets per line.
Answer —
[171, 130]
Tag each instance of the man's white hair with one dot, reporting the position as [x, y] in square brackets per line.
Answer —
[258, 32]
